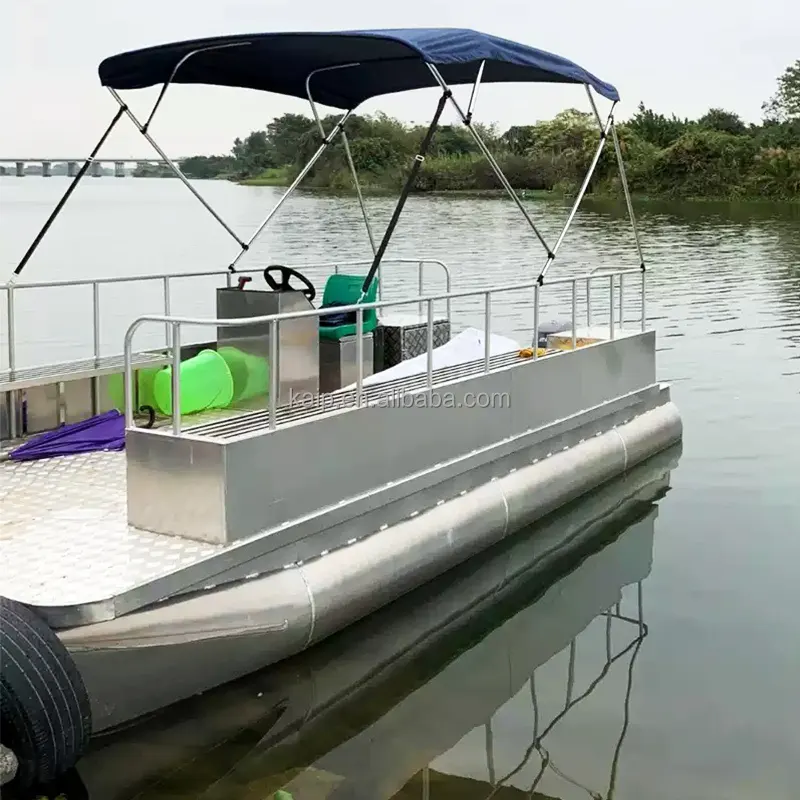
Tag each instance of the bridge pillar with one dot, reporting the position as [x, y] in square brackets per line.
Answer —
[72, 169]
[46, 171]
[20, 169]
[97, 169]
[119, 169]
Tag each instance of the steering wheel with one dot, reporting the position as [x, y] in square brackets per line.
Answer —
[284, 285]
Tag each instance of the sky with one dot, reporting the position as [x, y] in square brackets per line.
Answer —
[680, 56]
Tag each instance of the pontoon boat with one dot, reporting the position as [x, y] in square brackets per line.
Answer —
[180, 502]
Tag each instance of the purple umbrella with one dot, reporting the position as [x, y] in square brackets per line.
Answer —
[103, 432]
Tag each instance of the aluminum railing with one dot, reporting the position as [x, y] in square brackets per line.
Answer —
[166, 280]
[621, 296]
[274, 321]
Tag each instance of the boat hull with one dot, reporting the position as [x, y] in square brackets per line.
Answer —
[194, 642]
[521, 603]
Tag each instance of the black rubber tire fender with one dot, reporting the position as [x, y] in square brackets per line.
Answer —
[45, 714]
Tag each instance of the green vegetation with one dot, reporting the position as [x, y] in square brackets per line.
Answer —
[718, 156]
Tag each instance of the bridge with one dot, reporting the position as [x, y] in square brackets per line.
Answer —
[69, 165]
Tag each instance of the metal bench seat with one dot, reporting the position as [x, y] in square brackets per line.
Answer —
[56, 394]
[75, 370]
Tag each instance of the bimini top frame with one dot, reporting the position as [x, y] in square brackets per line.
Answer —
[347, 68]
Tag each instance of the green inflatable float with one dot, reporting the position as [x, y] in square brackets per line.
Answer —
[213, 379]
[250, 373]
[206, 382]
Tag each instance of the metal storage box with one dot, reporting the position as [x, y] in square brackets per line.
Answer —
[298, 339]
[399, 337]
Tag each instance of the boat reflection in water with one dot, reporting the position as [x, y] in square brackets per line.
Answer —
[413, 701]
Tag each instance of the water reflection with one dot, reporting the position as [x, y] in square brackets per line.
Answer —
[456, 691]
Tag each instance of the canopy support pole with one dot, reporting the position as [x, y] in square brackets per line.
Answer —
[622, 175]
[351, 164]
[624, 178]
[70, 189]
[180, 63]
[489, 157]
[581, 193]
[337, 128]
[473, 97]
[172, 165]
[409, 185]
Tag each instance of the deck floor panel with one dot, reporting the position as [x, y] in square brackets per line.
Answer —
[64, 535]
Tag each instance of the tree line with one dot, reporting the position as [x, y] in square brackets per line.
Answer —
[715, 156]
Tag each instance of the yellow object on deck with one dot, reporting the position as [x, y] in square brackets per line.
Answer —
[583, 337]
[527, 352]
[566, 344]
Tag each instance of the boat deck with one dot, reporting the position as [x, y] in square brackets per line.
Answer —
[68, 517]
[65, 537]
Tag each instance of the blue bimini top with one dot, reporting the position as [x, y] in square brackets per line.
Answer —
[344, 68]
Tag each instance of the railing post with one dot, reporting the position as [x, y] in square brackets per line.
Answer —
[621, 303]
[95, 382]
[588, 302]
[448, 285]
[12, 361]
[176, 378]
[96, 319]
[360, 356]
[168, 306]
[536, 322]
[430, 345]
[574, 314]
[273, 374]
[487, 331]
[12, 345]
[420, 281]
[611, 333]
[644, 303]
[128, 381]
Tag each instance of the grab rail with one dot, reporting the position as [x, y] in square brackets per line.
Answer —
[166, 294]
[274, 321]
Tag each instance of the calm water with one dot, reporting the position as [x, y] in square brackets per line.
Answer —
[712, 707]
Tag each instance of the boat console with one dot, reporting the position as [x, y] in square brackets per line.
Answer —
[249, 351]
[313, 354]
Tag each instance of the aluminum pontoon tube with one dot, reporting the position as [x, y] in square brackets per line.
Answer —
[570, 553]
[304, 603]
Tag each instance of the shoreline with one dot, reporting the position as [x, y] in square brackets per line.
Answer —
[492, 194]
[532, 194]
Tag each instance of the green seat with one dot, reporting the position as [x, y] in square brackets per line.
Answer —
[346, 290]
